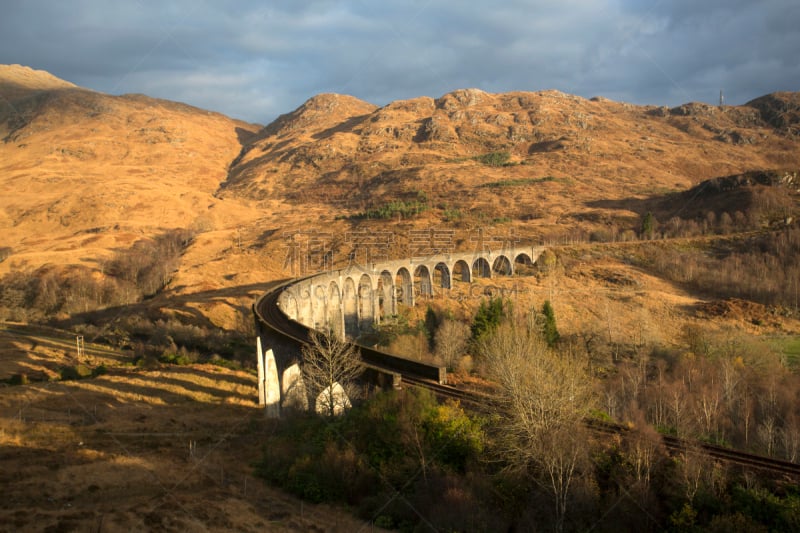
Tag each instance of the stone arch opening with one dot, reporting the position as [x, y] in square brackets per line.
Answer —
[335, 316]
[404, 288]
[523, 264]
[441, 276]
[481, 268]
[366, 304]
[304, 309]
[502, 265]
[385, 290]
[423, 282]
[350, 308]
[293, 389]
[462, 271]
[319, 307]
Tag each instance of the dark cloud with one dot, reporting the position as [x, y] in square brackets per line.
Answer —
[255, 60]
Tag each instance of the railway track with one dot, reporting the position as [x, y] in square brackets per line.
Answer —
[270, 316]
[473, 400]
[673, 444]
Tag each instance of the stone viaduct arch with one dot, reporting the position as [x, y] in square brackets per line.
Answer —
[350, 301]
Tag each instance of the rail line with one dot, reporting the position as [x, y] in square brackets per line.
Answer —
[270, 316]
[673, 444]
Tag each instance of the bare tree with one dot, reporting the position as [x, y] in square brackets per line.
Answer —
[330, 368]
[643, 449]
[451, 341]
[543, 400]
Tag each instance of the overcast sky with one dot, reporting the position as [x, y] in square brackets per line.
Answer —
[255, 60]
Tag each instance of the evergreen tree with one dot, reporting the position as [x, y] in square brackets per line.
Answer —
[648, 226]
[488, 317]
[549, 329]
[431, 325]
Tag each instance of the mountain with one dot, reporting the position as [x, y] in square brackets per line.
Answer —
[563, 154]
[84, 173]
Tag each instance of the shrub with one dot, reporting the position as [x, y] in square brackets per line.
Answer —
[78, 371]
[394, 209]
[516, 182]
[18, 379]
[494, 159]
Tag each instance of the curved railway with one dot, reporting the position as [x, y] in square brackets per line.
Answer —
[269, 315]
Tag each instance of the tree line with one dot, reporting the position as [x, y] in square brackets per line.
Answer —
[127, 277]
[528, 460]
[764, 268]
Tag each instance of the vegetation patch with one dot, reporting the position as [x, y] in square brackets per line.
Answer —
[81, 371]
[517, 182]
[790, 348]
[763, 268]
[494, 159]
[394, 209]
[397, 439]
[452, 214]
[130, 276]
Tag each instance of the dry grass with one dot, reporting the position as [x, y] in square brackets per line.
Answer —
[161, 450]
[85, 175]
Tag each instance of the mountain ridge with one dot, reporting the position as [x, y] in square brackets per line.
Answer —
[87, 174]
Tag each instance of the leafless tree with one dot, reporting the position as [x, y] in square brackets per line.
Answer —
[542, 402]
[451, 341]
[643, 449]
[329, 363]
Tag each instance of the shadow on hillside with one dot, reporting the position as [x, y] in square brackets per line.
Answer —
[640, 206]
[345, 126]
[183, 305]
[694, 203]
[245, 136]
[167, 396]
[725, 194]
[202, 389]
[217, 376]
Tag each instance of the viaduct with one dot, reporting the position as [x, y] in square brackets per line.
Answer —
[350, 301]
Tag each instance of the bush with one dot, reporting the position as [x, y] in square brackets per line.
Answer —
[182, 358]
[494, 159]
[549, 329]
[387, 438]
[394, 209]
[78, 371]
[18, 379]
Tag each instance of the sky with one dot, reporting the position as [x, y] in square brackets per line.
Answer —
[255, 60]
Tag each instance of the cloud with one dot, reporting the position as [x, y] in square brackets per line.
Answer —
[256, 60]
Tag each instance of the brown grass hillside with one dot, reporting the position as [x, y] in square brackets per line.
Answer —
[88, 181]
[339, 152]
[86, 175]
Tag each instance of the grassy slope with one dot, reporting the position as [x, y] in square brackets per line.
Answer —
[91, 173]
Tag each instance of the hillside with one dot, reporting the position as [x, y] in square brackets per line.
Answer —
[149, 227]
[86, 175]
[564, 152]
[87, 171]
